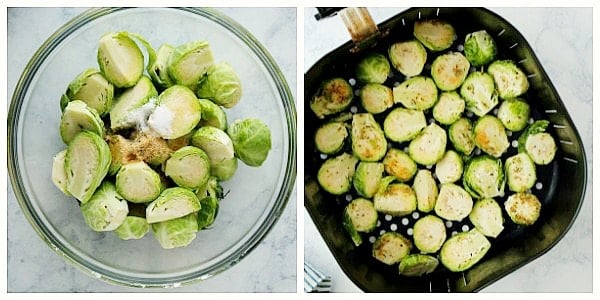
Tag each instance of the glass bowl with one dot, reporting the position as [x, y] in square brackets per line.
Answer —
[249, 210]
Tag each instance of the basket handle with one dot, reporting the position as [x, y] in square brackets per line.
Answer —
[358, 21]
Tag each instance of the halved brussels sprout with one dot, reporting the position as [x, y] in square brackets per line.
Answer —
[523, 208]
[188, 167]
[414, 265]
[133, 106]
[408, 57]
[251, 140]
[335, 174]
[178, 232]
[429, 146]
[537, 143]
[225, 169]
[86, 163]
[490, 136]
[484, 177]
[106, 210]
[92, 88]
[120, 59]
[464, 250]
[376, 98]
[480, 48]
[374, 68]
[132, 228]
[367, 177]
[79, 117]
[330, 137]
[399, 164]
[450, 168]
[417, 92]
[219, 147]
[487, 217]
[189, 63]
[397, 199]
[435, 34]
[368, 140]
[426, 190]
[138, 183]
[211, 189]
[172, 203]
[402, 124]
[449, 70]
[520, 172]
[212, 115]
[159, 71]
[510, 80]
[359, 216]
[221, 85]
[514, 114]
[177, 113]
[461, 136]
[429, 234]
[391, 247]
[333, 96]
[453, 202]
[479, 93]
[59, 175]
[209, 207]
[449, 108]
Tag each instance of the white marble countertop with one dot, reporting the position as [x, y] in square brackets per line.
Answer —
[562, 41]
[34, 267]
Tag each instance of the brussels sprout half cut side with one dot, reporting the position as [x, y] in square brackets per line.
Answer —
[189, 63]
[490, 136]
[539, 144]
[92, 88]
[408, 57]
[106, 210]
[429, 234]
[188, 167]
[417, 92]
[520, 172]
[480, 48]
[464, 250]
[429, 146]
[333, 96]
[132, 107]
[487, 217]
[335, 174]
[159, 71]
[133, 228]
[479, 92]
[120, 59]
[221, 85]
[514, 114]
[426, 190]
[212, 115]
[453, 202]
[399, 164]
[374, 68]
[177, 113]
[450, 168]
[251, 140]
[523, 208]
[138, 183]
[79, 117]
[330, 137]
[414, 265]
[397, 199]
[510, 80]
[449, 108]
[174, 233]
[367, 178]
[86, 163]
[59, 175]
[449, 70]
[402, 124]
[376, 98]
[359, 216]
[368, 140]
[172, 203]
[484, 177]
[391, 247]
[435, 34]
[461, 136]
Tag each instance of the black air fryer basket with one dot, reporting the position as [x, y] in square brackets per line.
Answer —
[560, 185]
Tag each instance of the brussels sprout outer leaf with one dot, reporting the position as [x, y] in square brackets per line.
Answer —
[221, 85]
[251, 140]
[209, 206]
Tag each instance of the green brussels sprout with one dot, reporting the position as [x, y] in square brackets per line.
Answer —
[480, 48]
[490, 136]
[391, 247]
[367, 177]
[449, 70]
[132, 228]
[376, 98]
[174, 233]
[449, 108]
[333, 96]
[520, 172]
[120, 59]
[402, 124]
[484, 177]
[212, 115]
[399, 164]
[79, 117]
[461, 136]
[374, 68]
[453, 202]
[188, 167]
[86, 163]
[251, 140]
[449, 169]
[510, 80]
[396, 199]
[486, 216]
[172, 203]
[435, 34]
[221, 85]
[514, 114]
[92, 88]
[335, 174]
[464, 250]
[429, 146]
[219, 147]
[133, 106]
[177, 113]
[408, 57]
[368, 140]
[479, 93]
[426, 190]
[209, 207]
[106, 210]
[224, 169]
[159, 71]
[59, 175]
[189, 63]
[523, 208]
[138, 183]
[414, 265]
[330, 137]
[429, 233]
[537, 143]
[211, 189]
[359, 216]
[417, 92]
